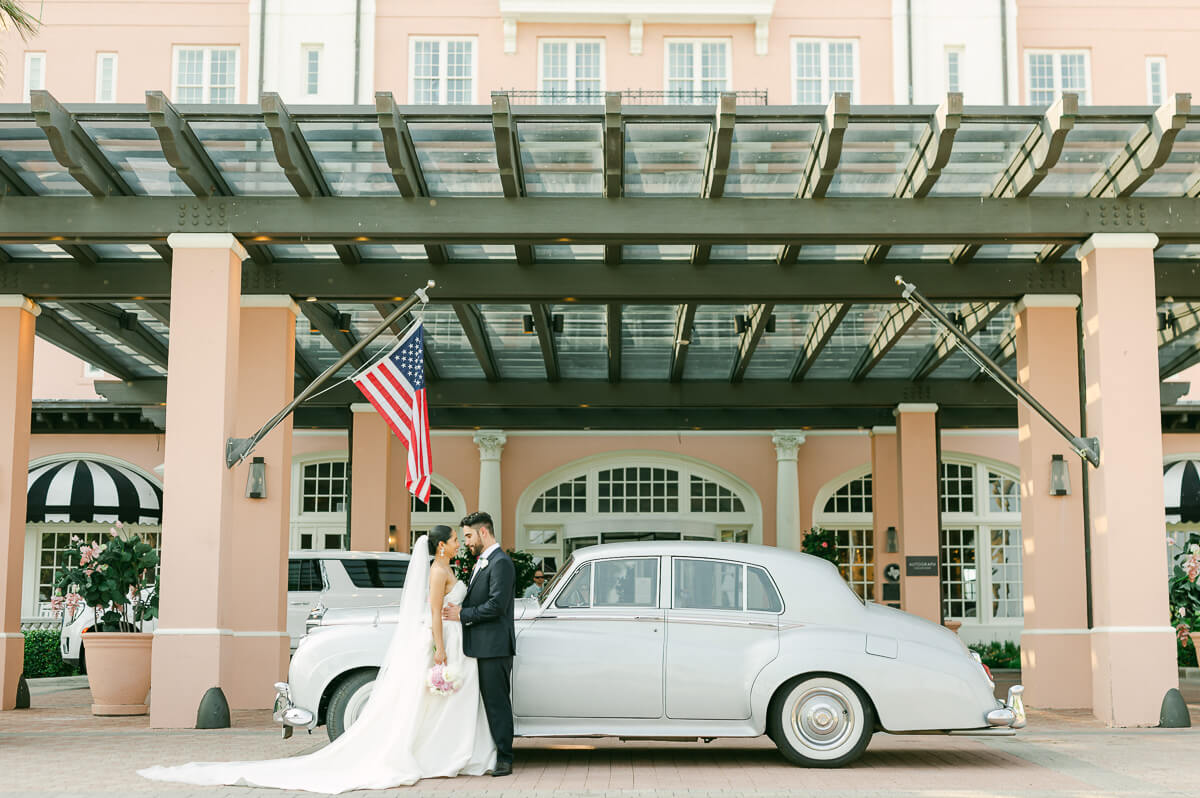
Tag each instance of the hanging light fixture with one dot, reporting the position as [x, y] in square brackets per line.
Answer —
[256, 480]
[1060, 479]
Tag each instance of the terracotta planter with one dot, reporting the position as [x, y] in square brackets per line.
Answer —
[118, 671]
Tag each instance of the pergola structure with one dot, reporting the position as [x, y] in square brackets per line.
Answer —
[610, 266]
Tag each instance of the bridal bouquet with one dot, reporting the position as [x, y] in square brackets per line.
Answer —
[443, 680]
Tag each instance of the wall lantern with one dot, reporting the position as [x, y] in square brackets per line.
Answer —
[256, 480]
[391, 537]
[1060, 480]
[892, 545]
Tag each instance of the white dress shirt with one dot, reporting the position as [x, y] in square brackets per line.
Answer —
[483, 558]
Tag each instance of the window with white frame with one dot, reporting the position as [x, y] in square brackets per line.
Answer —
[698, 70]
[954, 69]
[565, 497]
[846, 511]
[35, 73]
[853, 497]
[638, 490]
[442, 70]
[311, 55]
[441, 509]
[709, 497]
[823, 67]
[439, 502]
[1050, 73]
[206, 75]
[980, 543]
[59, 539]
[106, 77]
[323, 487]
[1156, 80]
[572, 71]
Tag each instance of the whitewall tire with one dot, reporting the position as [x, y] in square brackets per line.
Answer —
[348, 700]
[820, 721]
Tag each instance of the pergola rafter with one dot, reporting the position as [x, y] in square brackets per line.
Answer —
[718, 162]
[1001, 354]
[1181, 326]
[402, 159]
[65, 335]
[1033, 160]
[614, 162]
[124, 327]
[828, 318]
[612, 314]
[685, 319]
[508, 161]
[926, 163]
[1146, 150]
[823, 160]
[472, 325]
[975, 316]
[324, 318]
[757, 319]
[899, 318]
[544, 327]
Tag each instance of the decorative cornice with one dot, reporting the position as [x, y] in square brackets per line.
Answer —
[787, 443]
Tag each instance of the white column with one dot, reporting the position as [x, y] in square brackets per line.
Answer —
[491, 443]
[787, 489]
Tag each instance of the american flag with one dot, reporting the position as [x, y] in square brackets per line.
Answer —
[395, 385]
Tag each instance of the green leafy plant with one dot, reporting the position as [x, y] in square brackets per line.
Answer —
[998, 655]
[464, 563]
[42, 656]
[117, 577]
[821, 543]
[1184, 592]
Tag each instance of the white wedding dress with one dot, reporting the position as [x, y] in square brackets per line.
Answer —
[404, 734]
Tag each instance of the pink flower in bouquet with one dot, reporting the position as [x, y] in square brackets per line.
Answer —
[443, 680]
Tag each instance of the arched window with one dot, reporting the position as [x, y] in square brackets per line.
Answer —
[565, 497]
[709, 497]
[439, 502]
[446, 506]
[846, 507]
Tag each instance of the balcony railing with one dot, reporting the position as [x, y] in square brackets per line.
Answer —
[630, 97]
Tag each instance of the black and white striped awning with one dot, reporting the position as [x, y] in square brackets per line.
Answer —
[1181, 491]
[90, 491]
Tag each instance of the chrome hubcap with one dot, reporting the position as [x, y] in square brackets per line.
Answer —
[822, 718]
[357, 702]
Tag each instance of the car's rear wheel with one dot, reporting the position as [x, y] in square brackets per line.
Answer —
[820, 721]
[348, 700]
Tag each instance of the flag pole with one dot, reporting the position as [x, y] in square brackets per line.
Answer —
[1087, 448]
[238, 449]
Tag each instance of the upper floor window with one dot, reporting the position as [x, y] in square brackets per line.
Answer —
[439, 502]
[709, 497]
[698, 70]
[323, 487]
[823, 67]
[35, 73]
[853, 497]
[443, 71]
[311, 63]
[954, 68]
[1156, 80]
[106, 77]
[206, 75]
[638, 490]
[1052, 73]
[566, 497]
[572, 71]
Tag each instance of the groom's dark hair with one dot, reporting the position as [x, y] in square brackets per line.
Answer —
[479, 519]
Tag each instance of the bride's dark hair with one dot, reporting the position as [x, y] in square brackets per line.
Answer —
[439, 534]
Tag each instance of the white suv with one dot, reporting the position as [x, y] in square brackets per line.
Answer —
[329, 578]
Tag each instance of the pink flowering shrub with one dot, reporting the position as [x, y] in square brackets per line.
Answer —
[1185, 591]
[821, 543]
[117, 577]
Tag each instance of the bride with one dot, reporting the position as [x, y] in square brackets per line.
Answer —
[405, 733]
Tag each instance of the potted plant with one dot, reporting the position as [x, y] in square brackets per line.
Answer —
[1185, 593]
[118, 580]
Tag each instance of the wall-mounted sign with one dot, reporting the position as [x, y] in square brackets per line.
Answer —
[921, 566]
[891, 590]
[891, 572]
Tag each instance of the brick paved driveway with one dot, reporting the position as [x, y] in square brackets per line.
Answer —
[58, 748]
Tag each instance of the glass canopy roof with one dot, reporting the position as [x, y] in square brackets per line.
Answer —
[565, 152]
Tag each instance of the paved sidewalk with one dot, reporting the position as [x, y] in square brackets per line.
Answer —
[58, 748]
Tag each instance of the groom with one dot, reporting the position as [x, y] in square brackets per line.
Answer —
[488, 634]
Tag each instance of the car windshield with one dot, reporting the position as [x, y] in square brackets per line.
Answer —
[554, 580]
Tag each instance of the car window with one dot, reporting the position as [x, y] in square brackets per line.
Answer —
[626, 583]
[376, 573]
[761, 595]
[548, 590]
[304, 575]
[708, 585]
[578, 592]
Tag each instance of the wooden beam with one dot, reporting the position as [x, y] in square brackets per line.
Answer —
[685, 319]
[756, 324]
[823, 327]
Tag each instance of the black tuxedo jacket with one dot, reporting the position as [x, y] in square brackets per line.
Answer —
[487, 609]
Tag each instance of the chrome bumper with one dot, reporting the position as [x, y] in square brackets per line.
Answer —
[287, 714]
[1012, 714]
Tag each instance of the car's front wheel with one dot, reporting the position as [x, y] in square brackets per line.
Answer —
[820, 721]
[348, 700]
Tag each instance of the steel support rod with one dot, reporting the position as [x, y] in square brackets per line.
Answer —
[1087, 448]
[238, 449]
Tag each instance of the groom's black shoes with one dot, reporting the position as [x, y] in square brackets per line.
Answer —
[502, 769]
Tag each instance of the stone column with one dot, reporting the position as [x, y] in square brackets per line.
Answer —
[192, 646]
[787, 488]
[885, 510]
[1133, 648]
[17, 319]
[370, 463]
[266, 377]
[1056, 666]
[918, 511]
[491, 443]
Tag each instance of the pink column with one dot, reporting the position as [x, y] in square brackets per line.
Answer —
[1056, 666]
[885, 503]
[192, 646]
[917, 469]
[266, 370]
[1133, 648]
[369, 470]
[17, 317]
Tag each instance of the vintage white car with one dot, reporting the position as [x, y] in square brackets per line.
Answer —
[693, 640]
